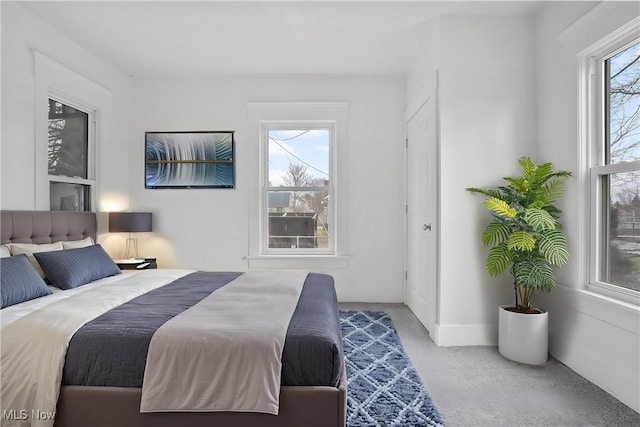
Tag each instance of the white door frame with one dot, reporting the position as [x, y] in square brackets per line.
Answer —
[435, 222]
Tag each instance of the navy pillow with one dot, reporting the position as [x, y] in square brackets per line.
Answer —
[20, 281]
[71, 268]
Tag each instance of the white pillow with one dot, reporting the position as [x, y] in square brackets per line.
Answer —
[74, 244]
[29, 248]
[4, 251]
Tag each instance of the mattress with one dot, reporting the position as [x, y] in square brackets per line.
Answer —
[111, 350]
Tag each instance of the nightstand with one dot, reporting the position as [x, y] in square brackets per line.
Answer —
[139, 264]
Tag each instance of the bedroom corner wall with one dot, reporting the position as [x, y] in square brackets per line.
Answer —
[487, 86]
[596, 336]
[23, 33]
[487, 121]
[209, 228]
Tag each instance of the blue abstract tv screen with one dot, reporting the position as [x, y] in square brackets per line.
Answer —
[202, 159]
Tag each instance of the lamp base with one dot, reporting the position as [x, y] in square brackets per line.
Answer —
[132, 248]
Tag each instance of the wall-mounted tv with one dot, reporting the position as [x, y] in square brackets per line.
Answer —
[201, 159]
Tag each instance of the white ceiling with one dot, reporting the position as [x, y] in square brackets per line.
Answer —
[180, 38]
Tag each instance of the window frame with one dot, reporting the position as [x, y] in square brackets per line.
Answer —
[302, 111]
[593, 95]
[54, 80]
[265, 188]
[90, 181]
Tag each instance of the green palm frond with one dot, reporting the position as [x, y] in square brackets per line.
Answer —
[534, 273]
[552, 191]
[521, 240]
[500, 207]
[538, 203]
[498, 259]
[495, 233]
[562, 174]
[553, 247]
[539, 219]
[496, 193]
[519, 183]
[543, 178]
[544, 171]
[510, 194]
[554, 212]
[528, 167]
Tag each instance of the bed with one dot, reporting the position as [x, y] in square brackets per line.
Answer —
[81, 402]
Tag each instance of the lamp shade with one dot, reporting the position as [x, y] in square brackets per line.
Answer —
[129, 222]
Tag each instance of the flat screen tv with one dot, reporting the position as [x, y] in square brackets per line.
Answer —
[201, 159]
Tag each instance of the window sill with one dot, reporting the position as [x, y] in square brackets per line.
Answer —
[614, 294]
[298, 261]
[618, 313]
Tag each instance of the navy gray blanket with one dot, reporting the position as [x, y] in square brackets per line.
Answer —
[112, 349]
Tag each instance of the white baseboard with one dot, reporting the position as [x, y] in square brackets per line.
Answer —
[453, 335]
[620, 383]
[597, 337]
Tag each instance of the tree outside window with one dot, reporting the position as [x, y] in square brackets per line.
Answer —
[621, 177]
[68, 157]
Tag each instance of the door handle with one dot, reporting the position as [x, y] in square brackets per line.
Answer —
[426, 227]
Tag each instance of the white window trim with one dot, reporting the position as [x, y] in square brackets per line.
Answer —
[55, 81]
[266, 113]
[591, 134]
[266, 126]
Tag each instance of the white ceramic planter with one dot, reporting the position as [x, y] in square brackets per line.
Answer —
[523, 337]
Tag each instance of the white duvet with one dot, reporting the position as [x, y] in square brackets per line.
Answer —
[35, 336]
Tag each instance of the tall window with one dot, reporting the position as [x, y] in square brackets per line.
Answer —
[616, 171]
[298, 195]
[69, 153]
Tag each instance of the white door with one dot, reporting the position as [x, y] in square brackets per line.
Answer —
[421, 284]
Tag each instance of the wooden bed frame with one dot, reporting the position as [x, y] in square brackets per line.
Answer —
[120, 406]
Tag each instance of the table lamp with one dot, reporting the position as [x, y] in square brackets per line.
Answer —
[130, 222]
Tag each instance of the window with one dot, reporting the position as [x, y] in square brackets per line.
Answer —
[298, 188]
[615, 170]
[299, 201]
[68, 111]
[68, 154]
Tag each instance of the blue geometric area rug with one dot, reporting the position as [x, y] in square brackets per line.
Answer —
[383, 387]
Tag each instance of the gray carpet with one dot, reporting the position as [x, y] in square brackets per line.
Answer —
[476, 386]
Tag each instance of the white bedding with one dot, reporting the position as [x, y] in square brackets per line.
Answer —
[14, 312]
[36, 334]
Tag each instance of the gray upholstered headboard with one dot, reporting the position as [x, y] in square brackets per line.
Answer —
[46, 226]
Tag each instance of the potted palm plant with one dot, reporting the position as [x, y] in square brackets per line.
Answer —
[525, 235]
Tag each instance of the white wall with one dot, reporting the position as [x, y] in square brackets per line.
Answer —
[487, 121]
[422, 76]
[22, 33]
[596, 336]
[208, 229]
[487, 86]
